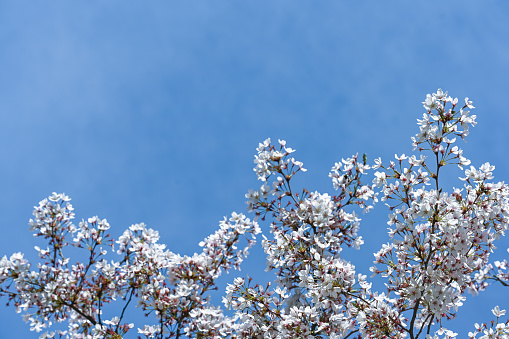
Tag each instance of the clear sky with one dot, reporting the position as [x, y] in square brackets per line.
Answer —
[151, 111]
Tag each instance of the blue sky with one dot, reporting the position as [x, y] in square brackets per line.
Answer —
[151, 112]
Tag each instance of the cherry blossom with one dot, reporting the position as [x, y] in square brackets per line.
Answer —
[440, 239]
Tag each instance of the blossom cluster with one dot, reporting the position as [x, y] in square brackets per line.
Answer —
[441, 242]
[439, 249]
[172, 287]
[496, 330]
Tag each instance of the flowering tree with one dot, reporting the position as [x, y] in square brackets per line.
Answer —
[439, 250]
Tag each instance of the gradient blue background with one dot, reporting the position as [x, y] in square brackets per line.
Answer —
[151, 111]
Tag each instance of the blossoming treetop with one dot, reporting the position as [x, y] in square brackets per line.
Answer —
[439, 250]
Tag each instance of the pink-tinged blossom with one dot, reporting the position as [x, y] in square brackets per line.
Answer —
[439, 249]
